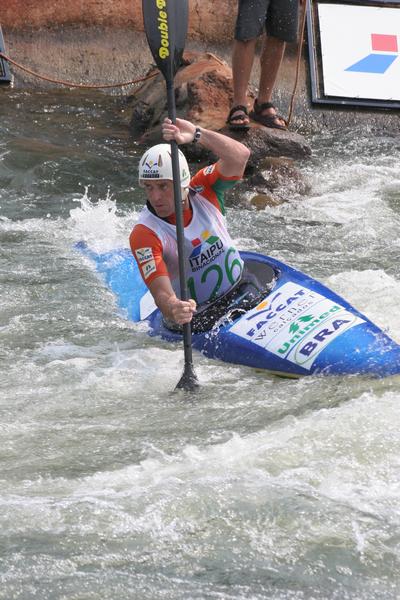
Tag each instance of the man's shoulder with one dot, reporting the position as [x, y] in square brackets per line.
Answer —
[211, 176]
[205, 177]
[141, 235]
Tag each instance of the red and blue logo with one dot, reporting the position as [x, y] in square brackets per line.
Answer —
[197, 243]
[386, 51]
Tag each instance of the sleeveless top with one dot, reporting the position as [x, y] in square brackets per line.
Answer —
[212, 262]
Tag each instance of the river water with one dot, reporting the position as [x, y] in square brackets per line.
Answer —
[115, 488]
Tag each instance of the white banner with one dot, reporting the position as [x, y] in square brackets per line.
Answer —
[360, 51]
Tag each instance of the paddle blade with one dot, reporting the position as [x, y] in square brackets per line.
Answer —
[166, 23]
[188, 381]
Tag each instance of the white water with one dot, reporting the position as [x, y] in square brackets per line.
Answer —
[112, 486]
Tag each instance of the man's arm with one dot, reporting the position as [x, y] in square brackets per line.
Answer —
[232, 155]
[171, 307]
[147, 250]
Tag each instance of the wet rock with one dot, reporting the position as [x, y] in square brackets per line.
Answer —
[203, 91]
[276, 181]
[261, 201]
[279, 175]
[267, 142]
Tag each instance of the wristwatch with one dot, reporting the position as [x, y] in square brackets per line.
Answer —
[197, 135]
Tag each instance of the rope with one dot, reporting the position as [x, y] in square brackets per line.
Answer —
[299, 53]
[76, 85]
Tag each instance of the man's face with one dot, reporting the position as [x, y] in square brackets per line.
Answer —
[160, 194]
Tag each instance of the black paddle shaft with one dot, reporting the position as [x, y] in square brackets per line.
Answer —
[186, 381]
[165, 23]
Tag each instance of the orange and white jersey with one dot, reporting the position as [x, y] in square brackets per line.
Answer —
[212, 263]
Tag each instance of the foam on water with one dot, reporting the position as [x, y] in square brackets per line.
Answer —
[284, 493]
[373, 292]
[114, 487]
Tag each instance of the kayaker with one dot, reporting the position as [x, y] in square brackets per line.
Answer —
[213, 264]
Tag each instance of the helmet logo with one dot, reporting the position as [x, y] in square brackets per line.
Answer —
[151, 167]
[156, 163]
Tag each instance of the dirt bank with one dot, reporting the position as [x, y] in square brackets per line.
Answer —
[208, 20]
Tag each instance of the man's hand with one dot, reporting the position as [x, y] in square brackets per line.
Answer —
[182, 132]
[181, 311]
[170, 305]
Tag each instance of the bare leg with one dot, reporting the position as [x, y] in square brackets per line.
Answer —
[270, 60]
[242, 63]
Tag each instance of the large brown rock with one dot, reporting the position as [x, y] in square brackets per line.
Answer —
[203, 91]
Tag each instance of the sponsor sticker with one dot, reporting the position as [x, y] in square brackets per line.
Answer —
[149, 268]
[144, 254]
[205, 250]
[295, 323]
[306, 351]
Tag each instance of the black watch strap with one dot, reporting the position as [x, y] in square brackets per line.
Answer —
[197, 135]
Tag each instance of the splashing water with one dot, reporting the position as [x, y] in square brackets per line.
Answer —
[99, 224]
[114, 488]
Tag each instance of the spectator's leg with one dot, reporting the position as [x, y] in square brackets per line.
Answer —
[250, 24]
[271, 59]
[242, 63]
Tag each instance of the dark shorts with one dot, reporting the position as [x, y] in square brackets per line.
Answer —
[279, 18]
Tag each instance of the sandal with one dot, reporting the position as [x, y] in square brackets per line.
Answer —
[238, 122]
[269, 120]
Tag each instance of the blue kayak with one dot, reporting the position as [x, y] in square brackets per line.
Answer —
[300, 327]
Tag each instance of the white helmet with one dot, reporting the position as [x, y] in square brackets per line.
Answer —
[156, 163]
